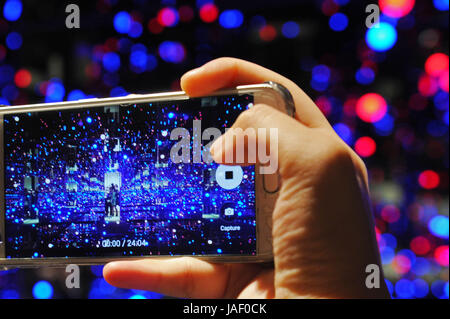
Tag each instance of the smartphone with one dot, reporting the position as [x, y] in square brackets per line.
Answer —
[90, 181]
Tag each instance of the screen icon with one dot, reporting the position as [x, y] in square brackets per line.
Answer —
[229, 177]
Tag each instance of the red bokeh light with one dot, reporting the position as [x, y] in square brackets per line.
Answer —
[427, 86]
[443, 81]
[371, 107]
[365, 146]
[429, 179]
[390, 213]
[329, 7]
[2, 52]
[436, 64]
[441, 255]
[420, 245]
[396, 8]
[186, 13]
[268, 33]
[22, 78]
[209, 13]
[167, 17]
[154, 26]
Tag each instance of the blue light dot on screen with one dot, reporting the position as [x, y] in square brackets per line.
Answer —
[231, 19]
[14, 40]
[290, 29]
[365, 76]
[89, 120]
[75, 95]
[122, 22]
[441, 5]
[12, 10]
[438, 226]
[219, 251]
[159, 143]
[42, 290]
[338, 22]
[111, 61]
[381, 38]
[171, 115]
[404, 289]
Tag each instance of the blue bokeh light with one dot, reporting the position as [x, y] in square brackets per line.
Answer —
[365, 76]
[14, 40]
[344, 132]
[122, 22]
[404, 288]
[55, 92]
[135, 30]
[231, 19]
[421, 288]
[338, 22]
[12, 10]
[290, 29]
[76, 95]
[111, 61]
[438, 226]
[381, 38]
[172, 52]
[441, 5]
[42, 290]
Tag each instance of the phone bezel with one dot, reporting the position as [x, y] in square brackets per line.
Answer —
[268, 93]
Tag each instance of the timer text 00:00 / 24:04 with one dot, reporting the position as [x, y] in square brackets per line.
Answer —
[124, 243]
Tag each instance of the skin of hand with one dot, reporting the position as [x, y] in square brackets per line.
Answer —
[323, 229]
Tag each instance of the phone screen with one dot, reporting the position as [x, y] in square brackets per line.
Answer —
[101, 182]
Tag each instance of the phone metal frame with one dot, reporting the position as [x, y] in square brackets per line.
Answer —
[269, 93]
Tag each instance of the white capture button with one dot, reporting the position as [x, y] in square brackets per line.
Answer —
[229, 177]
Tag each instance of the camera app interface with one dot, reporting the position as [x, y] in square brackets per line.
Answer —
[101, 181]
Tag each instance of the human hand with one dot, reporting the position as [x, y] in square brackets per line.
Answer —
[323, 231]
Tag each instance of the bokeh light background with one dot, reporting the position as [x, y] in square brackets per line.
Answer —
[385, 90]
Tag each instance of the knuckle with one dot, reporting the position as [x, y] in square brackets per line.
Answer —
[188, 282]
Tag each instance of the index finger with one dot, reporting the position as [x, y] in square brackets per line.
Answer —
[231, 72]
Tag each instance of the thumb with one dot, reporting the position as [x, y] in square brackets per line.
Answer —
[260, 135]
